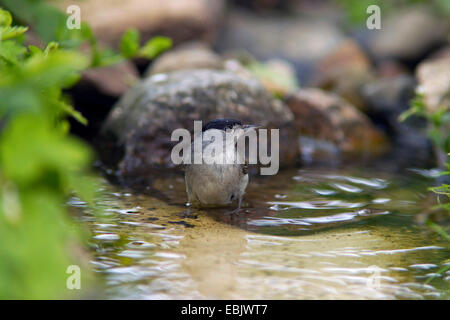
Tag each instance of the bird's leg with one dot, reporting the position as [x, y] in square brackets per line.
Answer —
[186, 213]
[237, 210]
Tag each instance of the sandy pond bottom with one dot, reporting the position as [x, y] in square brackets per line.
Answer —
[304, 234]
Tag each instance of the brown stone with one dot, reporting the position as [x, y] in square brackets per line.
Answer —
[181, 20]
[389, 69]
[344, 71]
[434, 83]
[112, 80]
[188, 56]
[326, 116]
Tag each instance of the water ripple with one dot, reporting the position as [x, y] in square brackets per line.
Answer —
[319, 205]
[340, 217]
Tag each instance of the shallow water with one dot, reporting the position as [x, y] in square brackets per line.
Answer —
[305, 234]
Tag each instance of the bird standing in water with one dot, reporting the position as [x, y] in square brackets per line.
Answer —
[218, 184]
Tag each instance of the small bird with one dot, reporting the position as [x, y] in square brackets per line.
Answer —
[218, 184]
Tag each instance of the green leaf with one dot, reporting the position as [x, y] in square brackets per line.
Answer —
[34, 50]
[11, 32]
[51, 47]
[30, 148]
[41, 164]
[129, 44]
[438, 229]
[417, 108]
[5, 18]
[439, 272]
[155, 46]
[55, 69]
[74, 113]
[443, 189]
[446, 144]
[35, 85]
[11, 51]
[45, 19]
[107, 57]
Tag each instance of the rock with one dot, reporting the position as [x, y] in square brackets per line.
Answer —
[434, 83]
[297, 40]
[235, 66]
[96, 93]
[181, 20]
[389, 96]
[344, 71]
[113, 80]
[390, 69]
[141, 123]
[408, 35]
[261, 6]
[335, 124]
[348, 57]
[276, 76]
[440, 53]
[188, 56]
[323, 9]
[386, 100]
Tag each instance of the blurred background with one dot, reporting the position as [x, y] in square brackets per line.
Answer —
[86, 112]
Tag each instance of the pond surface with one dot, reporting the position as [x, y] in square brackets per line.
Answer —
[304, 234]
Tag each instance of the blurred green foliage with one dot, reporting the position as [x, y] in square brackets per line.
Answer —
[129, 45]
[41, 164]
[438, 121]
[438, 124]
[50, 24]
[355, 10]
[443, 190]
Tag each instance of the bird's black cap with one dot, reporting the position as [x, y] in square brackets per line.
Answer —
[221, 124]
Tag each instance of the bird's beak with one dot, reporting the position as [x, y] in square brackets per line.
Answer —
[250, 127]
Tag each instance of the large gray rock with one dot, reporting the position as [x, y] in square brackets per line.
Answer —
[141, 123]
